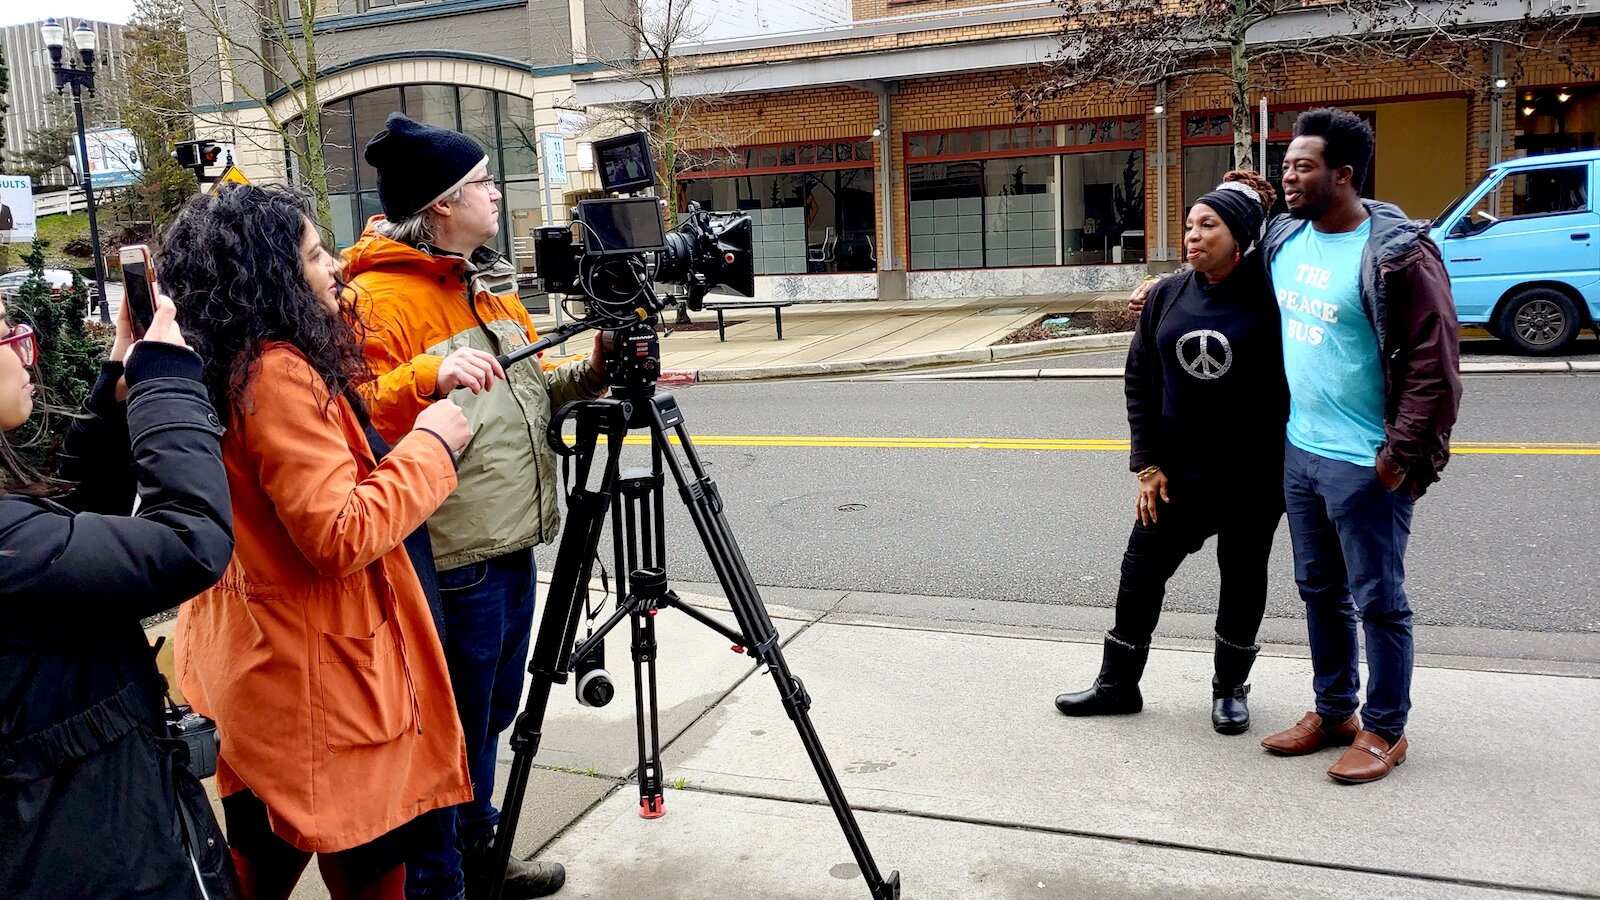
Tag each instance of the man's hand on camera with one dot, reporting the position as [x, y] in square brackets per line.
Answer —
[603, 342]
[447, 422]
[468, 368]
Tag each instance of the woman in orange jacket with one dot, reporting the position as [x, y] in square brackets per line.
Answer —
[315, 653]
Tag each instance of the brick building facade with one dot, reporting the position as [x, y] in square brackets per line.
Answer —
[879, 156]
[971, 197]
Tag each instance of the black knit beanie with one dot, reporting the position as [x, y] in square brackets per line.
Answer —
[1239, 206]
[418, 164]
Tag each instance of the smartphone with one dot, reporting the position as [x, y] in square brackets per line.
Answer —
[139, 286]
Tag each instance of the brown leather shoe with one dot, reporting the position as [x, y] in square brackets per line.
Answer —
[1368, 759]
[1311, 734]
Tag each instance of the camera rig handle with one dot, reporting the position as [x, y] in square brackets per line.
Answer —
[558, 336]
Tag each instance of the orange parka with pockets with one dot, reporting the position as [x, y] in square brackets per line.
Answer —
[316, 653]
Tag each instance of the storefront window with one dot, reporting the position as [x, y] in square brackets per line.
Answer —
[372, 109]
[432, 104]
[338, 145]
[1028, 209]
[519, 141]
[1021, 212]
[819, 221]
[1203, 168]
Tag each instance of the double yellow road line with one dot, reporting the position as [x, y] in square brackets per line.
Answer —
[1498, 448]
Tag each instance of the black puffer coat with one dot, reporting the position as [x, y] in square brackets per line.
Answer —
[85, 791]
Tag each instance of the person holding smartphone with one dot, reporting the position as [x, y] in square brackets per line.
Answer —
[316, 653]
[87, 807]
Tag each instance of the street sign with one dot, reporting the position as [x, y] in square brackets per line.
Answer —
[231, 176]
[17, 224]
[553, 153]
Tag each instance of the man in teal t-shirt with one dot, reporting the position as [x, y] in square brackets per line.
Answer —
[1371, 352]
[1330, 349]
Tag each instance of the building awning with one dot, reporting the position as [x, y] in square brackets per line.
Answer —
[953, 58]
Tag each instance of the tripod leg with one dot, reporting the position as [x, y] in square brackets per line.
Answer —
[586, 513]
[639, 497]
[652, 802]
[704, 503]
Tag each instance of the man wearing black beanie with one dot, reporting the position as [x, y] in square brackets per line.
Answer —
[427, 286]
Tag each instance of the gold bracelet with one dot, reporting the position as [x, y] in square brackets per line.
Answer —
[1148, 471]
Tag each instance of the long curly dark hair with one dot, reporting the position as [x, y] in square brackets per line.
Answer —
[232, 266]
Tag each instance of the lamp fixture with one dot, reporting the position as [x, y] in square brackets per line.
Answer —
[1159, 109]
[877, 130]
[1527, 110]
[1563, 97]
[1500, 84]
[80, 76]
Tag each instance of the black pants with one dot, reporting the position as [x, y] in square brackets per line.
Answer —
[1242, 518]
[250, 834]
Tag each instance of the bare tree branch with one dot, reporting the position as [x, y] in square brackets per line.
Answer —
[1129, 45]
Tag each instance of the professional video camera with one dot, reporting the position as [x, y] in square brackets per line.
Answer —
[625, 248]
[626, 251]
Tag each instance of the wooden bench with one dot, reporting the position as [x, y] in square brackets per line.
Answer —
[775, 305]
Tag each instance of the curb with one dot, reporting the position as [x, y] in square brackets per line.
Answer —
[1010, 352]
[1001, 353]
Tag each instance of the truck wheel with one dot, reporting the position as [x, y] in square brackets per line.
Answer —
[1539, 321]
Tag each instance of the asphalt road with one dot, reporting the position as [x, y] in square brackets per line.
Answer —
[1506, 541]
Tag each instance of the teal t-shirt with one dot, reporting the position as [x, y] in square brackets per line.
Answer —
[1330, 349]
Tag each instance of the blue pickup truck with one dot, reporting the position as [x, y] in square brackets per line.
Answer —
[1523, 250]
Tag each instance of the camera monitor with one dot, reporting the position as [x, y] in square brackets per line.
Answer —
[624, 163]
[621, 226]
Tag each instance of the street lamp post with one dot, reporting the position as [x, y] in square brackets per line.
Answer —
[68, 73]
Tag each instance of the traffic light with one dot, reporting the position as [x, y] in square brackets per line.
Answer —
[197, 155]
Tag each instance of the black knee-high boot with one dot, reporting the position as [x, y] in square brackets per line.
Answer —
[1230, 704]
[1116, 690]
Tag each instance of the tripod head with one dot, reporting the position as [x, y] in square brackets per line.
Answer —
[633, 356]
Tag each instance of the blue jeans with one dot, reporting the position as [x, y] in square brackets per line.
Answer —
[1349, 535]
[488, 612]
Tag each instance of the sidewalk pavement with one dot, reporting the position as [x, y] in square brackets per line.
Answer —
[966, 780]
[858, 337]
[866, 337]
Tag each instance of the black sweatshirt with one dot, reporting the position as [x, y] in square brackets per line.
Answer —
[1204, 380]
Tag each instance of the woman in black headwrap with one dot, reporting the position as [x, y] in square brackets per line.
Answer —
[1207, 404]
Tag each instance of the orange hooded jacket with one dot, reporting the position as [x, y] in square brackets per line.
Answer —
[316, 653]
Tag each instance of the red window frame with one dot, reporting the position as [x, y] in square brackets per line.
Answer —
[1011, 153]
[793, 169]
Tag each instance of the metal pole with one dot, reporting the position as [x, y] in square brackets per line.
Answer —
[1162, 164]
[885, 152]
[1261, 164]
[88, 196]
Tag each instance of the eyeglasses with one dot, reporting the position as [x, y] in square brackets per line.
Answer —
[25, 342]
[487, 182]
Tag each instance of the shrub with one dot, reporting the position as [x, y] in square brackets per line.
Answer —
[69, 356]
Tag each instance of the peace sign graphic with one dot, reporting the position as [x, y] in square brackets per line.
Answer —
[1197, 354]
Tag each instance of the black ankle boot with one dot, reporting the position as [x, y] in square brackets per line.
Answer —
[1116, 690]
[1230, 705]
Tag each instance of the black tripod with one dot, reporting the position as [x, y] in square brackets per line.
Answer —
[634, 498]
